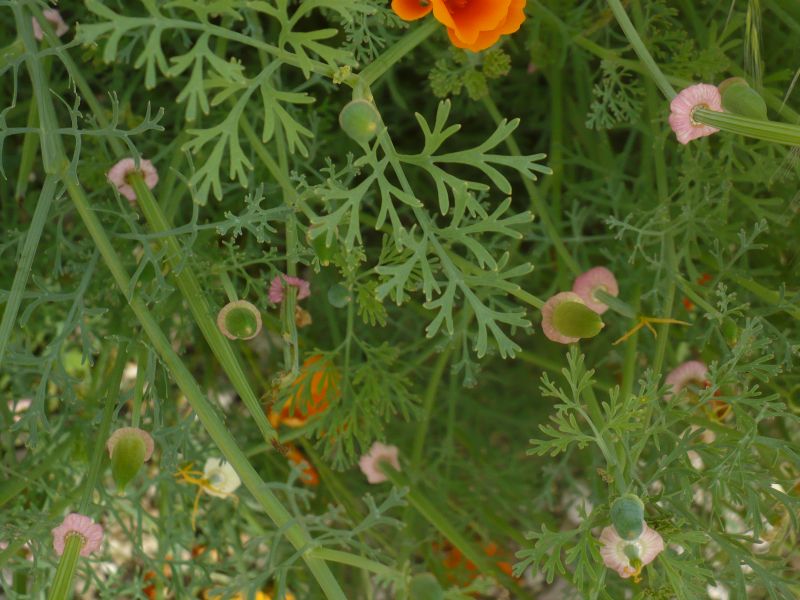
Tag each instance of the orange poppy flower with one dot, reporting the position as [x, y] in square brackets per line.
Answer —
[471, 24]
[312, 390]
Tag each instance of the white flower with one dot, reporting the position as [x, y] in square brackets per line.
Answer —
[222, 479]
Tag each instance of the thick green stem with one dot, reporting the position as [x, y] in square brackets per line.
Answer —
[62, 583]
[386, 60]
[195, 296]
[769, 131]
[56, 162]
[640, 49]
[53, 154]
[201, 406]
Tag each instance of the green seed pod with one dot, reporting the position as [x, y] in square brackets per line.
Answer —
[740, 99]
[425, 587]
[576, 320]
[239, 320]
[338, 295]
[731, 331]
[129, 448]
[360, 120]
[627, 516]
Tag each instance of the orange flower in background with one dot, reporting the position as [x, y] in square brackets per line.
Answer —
[454, 561]
[315, 386]
[309, 474]
[471, 24]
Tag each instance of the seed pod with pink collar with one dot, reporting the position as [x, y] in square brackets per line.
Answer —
[129, 448]
[566, 319]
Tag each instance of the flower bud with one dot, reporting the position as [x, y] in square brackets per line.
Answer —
[129, 448]
[239, 320]
[627, 516]
[425, 586]
[360, 120]
[740, 99]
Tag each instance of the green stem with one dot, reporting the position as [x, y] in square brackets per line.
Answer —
[346, 558]
[631, 354]
[29, 247]
[595, 419]
[641, 50]
[289, 325]
[195, 296]
[298, 537]
[62, 583]
[53, 153]
[769, 131]
[431, 393]
[618, 306]
[111, 395]
[138, 390]
[767, 295]
[56, 161]
[385, 61]
[28, 154]
[227, 285]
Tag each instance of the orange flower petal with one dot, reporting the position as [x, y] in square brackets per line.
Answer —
[514, 17]
[468, 18]
[411, 10]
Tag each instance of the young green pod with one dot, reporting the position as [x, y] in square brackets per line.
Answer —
[627, 516]
[129, 448]
[360, 120]
[566, 318]
[731, 331]
[740, 99]
[239, 320]
[338, 295]
[425, 586]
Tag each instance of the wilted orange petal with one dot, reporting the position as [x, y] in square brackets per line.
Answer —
[411, 10]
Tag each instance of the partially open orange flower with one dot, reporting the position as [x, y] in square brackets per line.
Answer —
[471, 24]
[315, 386]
